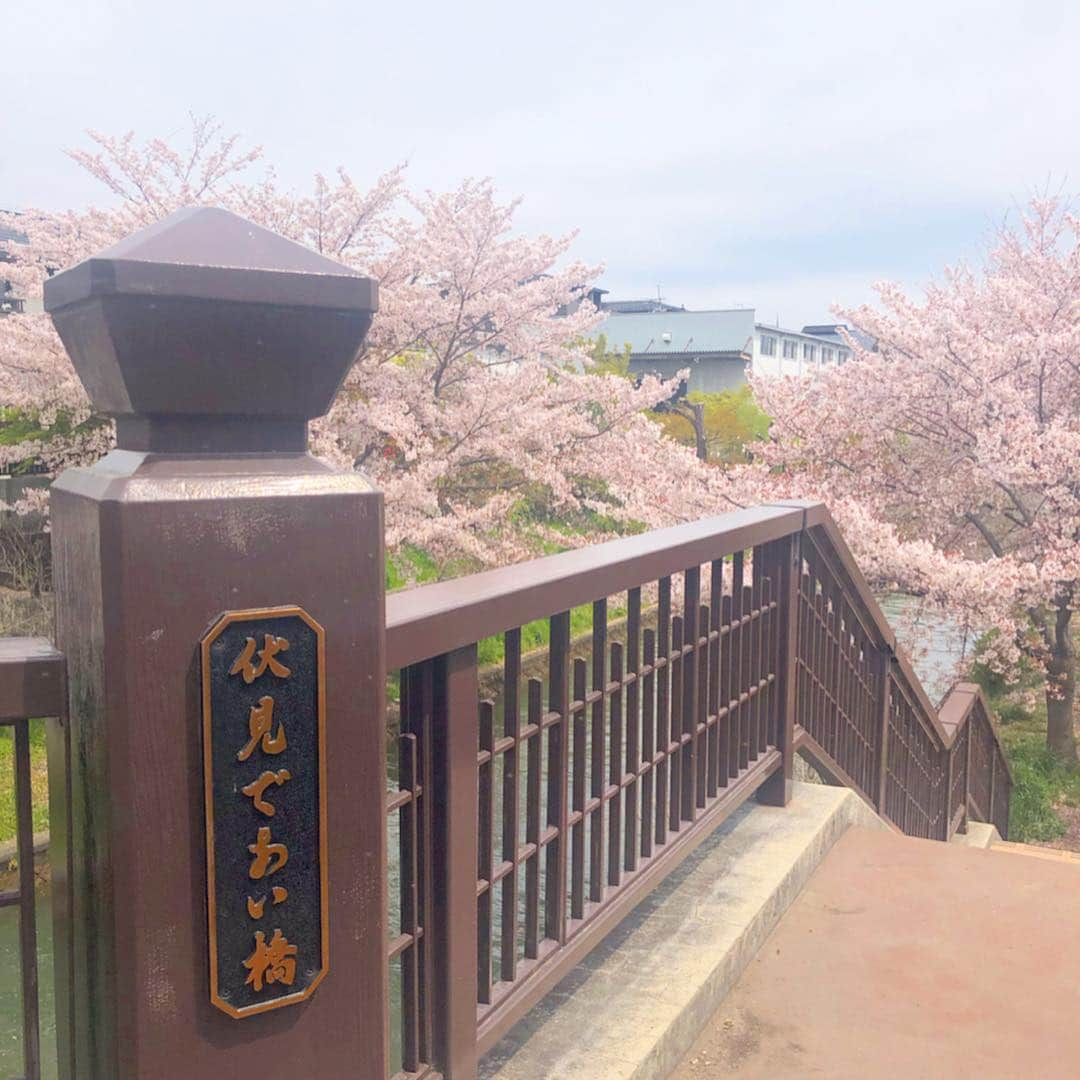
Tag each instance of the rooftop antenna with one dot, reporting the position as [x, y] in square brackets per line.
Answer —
[659, 298]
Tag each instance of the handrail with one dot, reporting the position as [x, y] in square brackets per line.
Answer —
[819, 518]
[434, 619]
[956, 708]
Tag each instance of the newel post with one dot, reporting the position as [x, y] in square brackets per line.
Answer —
[881, 748]
[219, 597]
[777, 790]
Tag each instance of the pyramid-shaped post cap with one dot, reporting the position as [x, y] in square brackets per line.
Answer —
[206, 315]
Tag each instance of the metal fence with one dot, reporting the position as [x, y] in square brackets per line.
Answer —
[536, 804]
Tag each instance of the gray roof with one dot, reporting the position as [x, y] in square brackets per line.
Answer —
[831, 332]
[627, 307]
[680, 332]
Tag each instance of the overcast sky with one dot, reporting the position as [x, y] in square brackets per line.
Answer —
[777, 155]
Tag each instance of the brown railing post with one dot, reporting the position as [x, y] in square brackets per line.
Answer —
[212, 343]
[455, 741]
[777, 790]
[993, 778]
[967, 774]
[881, 750]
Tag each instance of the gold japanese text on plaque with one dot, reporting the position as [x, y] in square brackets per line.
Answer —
[265, 781]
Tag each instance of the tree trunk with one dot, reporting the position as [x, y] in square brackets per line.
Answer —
[1061, 690]
[701, 446]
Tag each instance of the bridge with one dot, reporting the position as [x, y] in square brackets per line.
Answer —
[434, 846]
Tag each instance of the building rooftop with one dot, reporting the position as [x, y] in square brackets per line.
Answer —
[678, 331]
[637, 307]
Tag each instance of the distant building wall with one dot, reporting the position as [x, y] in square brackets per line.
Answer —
[777, 351]
[708, 374]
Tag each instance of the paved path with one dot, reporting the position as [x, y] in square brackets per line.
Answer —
[908, 958]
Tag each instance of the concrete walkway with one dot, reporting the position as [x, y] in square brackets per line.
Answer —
[908, 958]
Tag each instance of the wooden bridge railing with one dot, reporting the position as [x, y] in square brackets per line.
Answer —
[32, 685]
[538, 802]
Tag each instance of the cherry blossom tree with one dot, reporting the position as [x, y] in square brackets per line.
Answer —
[952, 454]
[474, 404]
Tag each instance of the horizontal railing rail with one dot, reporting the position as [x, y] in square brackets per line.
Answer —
[530, 822]
[31, 686]
[435, 619]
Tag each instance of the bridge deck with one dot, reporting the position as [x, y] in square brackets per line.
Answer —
[910, 958]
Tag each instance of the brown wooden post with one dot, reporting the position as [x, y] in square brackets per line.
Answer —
[212, 343]
[993, 772]
[455, 741]
[881, 751]
[967, 774]
[950, 767]
[777, 790]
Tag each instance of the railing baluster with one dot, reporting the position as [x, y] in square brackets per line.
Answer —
[511, 803]
[729, 740]
[615, 766]
[675, 746]
[485, 904]
[689, 753]
[765, 667]
[577, 838]
[24, 824]
[701, 711]
[558, 776]
[746, 653]
[648, 742]
[633, 726]
[663, 705]
[776, 791]
[532, 820]
[738, 652]
[408, 850]
[716, 586]
[455, 738]
[598, 743]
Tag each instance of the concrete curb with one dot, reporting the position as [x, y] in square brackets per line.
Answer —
[9, 849]
[638, 1002]
[978, 835]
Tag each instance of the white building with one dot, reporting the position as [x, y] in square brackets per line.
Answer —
[796, 352]
[718, 347]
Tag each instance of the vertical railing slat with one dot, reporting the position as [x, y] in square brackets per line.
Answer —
[663, 706]
[597, 745]
[511, 804]
[555, 893]
[615, 767]
[409, 855]
[577, 838]
[455, 739]
[648, 742]
[689, 754]
[485, 904]
[532, 820]
[27, 916]
[633, 727]
[675, 769]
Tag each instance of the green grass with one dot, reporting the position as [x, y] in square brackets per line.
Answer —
[536, 635]
[1041, 782]
[39, 781]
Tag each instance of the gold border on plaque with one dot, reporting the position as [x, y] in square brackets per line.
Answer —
[225, 620]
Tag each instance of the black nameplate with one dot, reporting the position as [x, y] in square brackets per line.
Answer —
[265, 784]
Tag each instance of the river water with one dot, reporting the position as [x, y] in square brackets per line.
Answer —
[945, 645]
